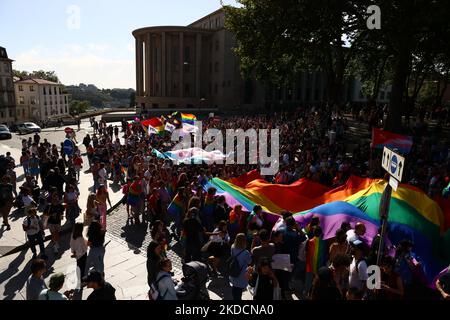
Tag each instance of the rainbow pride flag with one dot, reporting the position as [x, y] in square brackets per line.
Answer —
[154, 125]
[176, 207]
[188, 118]
[413, 215]
[316, 253]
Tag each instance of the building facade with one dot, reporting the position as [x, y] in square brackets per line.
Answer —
[40, 100]
[195, 67]
[7, 98]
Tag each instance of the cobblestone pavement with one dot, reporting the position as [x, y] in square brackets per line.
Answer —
[138, 237]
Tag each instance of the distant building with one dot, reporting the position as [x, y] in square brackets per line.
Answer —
[40, 100]
[180, 67]
[7, 98]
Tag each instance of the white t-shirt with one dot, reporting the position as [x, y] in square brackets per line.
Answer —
[352, 236]
[358, 274]
[33, 223]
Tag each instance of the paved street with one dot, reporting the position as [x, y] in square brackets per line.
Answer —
[15, 237]
[125, 253]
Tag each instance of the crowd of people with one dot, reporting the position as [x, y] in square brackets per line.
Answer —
[314, 144]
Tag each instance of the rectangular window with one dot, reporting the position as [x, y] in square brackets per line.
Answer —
[20, 87]
[31, 88]
[49, 90]
[217, 44]
[21, 100]
[10, 113]
[60, 92]
[216, 66]
[33, 100]
[45, 91]
[66, 110]
[65, 99]
[45, 101]
[54, 90]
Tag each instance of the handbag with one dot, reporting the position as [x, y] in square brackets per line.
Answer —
[253, 289]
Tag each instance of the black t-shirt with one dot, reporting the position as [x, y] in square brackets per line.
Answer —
[220, 214]
[193, 230]
[55, 212]
[264, 291]
[444, 280]
[96, 237]
[107, 292]
[6, 192]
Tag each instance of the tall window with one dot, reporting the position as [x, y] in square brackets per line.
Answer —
[216, 66]
[31, 88]
[21, 100]
[49, 90]
[33, 100]
[45, 91]
[20, 87]
[217, 45]
[54, 89]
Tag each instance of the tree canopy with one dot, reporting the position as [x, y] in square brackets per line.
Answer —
[276, 39]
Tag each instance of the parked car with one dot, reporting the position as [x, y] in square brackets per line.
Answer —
[28, 127]
[4, 132]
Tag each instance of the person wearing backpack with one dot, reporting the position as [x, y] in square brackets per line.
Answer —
[34, 229]
[164, 282]
[358, 268]
[237, 266]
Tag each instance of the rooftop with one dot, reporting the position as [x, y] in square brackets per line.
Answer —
[34, 81]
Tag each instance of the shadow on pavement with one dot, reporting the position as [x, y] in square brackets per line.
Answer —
[17, 278]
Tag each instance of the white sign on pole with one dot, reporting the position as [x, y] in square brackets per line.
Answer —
[393, 163]
[393, 183]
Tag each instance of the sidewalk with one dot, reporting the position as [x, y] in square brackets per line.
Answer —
[15, 238]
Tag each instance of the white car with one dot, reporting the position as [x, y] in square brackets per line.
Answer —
[4, 132]
[28, 127]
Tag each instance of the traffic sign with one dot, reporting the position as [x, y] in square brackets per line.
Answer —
[393, 163]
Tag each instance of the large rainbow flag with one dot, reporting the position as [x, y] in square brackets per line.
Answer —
[412, 215]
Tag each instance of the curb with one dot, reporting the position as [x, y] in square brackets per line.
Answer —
[64, 230]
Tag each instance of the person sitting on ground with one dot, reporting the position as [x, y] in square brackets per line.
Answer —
[36, 283]
[102, 289]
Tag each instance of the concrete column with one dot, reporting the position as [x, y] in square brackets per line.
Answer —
[147, 66]
[181, 56]
[163, 65]
[138, 68]
[198, 61]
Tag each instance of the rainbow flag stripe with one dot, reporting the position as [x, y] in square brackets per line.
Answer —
[188, 118]
[316, 255]
[176, 207]
[413, 215]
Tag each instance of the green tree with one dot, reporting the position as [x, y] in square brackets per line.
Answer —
[41, 74]
[276, 39]
[79, 107]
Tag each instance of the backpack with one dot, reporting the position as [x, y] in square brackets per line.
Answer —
[233, 267]
[154, 293]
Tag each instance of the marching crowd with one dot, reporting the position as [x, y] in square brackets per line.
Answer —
[233, 243]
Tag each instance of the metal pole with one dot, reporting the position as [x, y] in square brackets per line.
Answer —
[384, 213]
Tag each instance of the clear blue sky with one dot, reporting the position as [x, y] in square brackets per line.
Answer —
[45, 34]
